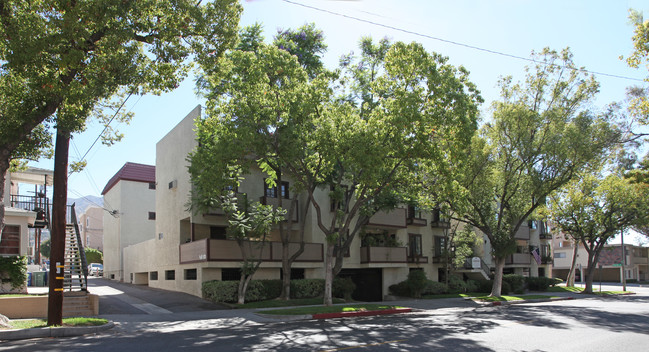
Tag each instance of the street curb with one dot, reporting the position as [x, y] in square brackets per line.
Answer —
[21, 334]
[334, 315]
[504, 303]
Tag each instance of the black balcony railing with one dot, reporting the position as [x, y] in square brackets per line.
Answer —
[40, 205]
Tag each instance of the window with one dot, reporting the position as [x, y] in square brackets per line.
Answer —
[170, 274]
[218, 232]
[152, 215]
[230, 274]
[153, 275]
[440, 243]
[191, 274]
[559, 255]
[414, 212]
[151, 185]
[414, 245]
[10, 243]
[271, 192]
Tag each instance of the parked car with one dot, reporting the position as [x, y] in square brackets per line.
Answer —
[96, 269]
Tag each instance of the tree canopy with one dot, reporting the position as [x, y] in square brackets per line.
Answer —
[593, 210]
[540, 136]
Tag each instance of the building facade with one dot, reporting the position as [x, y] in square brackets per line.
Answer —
[609, 266]
[91, 227]
[188, 248]
[130, 195]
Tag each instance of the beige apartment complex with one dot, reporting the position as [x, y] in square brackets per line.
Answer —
[185, 249]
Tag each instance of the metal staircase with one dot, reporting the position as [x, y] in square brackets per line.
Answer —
[75, 264]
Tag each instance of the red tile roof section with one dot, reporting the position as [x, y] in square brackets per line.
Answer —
[131, 172]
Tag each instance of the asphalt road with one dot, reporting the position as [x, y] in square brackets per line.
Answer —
[588, 324]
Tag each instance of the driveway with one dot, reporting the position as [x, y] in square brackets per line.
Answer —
[122, 298]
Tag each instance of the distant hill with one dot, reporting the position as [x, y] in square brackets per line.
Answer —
[81, 204]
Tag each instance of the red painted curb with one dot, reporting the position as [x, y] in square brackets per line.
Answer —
[360, 314]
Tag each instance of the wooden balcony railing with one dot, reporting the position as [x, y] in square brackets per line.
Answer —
[384, 255]
[228, 250]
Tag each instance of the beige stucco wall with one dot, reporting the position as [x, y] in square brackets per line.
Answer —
[130, 225]
[92, 227]
[23, 219]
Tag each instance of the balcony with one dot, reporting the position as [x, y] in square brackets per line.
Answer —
[418, 260]
[228, 251]
[439, 220]
[38, 204]
[286, 204]
[416, 222]
[518, 258]
[395, 218]
[415, 217]
[384, 255]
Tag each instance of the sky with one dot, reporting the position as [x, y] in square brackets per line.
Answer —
[489, 38]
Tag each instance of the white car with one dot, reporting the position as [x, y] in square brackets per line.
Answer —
[95, 269]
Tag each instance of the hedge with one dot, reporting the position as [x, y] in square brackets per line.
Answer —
[516, 282]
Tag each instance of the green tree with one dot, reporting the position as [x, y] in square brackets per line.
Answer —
[260, 99]
[399, 108]
[60, 59]
[541, 136]
[249, 225]
[639, 107]
[46, 248]
[592, 211]
[94, 255]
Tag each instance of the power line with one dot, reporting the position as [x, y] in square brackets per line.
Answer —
[494, 52]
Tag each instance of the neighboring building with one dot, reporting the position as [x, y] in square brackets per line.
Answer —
[610, 259]
[91, 227]
[130, 193]
[187, 249]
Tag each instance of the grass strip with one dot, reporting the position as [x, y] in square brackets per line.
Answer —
[276, 303]
[41, 323]
[455, 295]
[510, 298]
[331, 309]
[581, 289]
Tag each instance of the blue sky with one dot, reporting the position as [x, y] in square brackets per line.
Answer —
[596, 31]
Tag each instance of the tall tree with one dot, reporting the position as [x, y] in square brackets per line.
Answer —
[261, 97]
[540, 136]
[592, 211]
[61, 58]
[400, 107]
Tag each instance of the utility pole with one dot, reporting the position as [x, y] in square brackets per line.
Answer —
[57, 256]
[623, 262]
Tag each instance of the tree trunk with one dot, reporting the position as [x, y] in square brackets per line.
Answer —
[243, 286]
[570, 280]
[4, 167]
[329, 277]
[286, 271]
[57, 252]
[496, 289]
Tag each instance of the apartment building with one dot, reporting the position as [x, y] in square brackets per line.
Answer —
[26, 208]
[189, 248]
[130, 195]
[636, 266]
[91, 227]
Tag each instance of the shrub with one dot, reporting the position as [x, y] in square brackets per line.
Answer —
[434, 288]
[557, 280]
[539, 283]
[307, 288]
[486, 286]
[516, 282]
[94, 255]
[456, 284]
[472, 286]
[343, 287]
[271, 289]
[220, 291]
[13, 270]
[631, 281]
[401, 289]
[416, 282]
